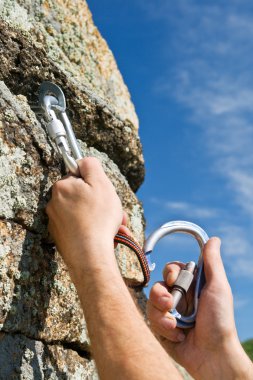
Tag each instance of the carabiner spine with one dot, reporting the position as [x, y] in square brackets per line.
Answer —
[52, 101]
[70, 136]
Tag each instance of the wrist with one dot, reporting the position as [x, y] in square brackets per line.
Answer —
[239, 365]
[229, 361]
[92, 254]
[89, 247]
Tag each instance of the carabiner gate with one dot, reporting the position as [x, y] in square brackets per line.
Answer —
[52, 102]
[186, 275]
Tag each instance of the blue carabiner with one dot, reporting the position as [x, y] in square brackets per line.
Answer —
[183, 321]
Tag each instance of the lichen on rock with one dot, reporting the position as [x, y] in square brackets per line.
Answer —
[42, 328]
[39, 40]
[37, 298]
[27, 359]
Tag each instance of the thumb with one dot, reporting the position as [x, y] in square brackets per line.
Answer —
[213, 265]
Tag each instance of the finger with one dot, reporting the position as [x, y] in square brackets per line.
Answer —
[125, 218]
[125, 230]
[164, 324]
[66, 176]
[160, 298]
[171, 272]
[213, 265]
[90, 169]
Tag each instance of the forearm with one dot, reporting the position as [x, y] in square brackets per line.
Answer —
[122, 344]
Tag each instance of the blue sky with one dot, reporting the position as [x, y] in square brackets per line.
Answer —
[189, 68]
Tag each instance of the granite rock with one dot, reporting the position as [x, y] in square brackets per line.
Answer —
[29, 263]
[57, 41]
[22, 358]
[42, 329]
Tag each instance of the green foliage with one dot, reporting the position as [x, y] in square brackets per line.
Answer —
[248, 347]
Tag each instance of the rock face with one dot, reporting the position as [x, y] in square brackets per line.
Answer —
[43, 332]
[23, 358]
[57, 41]
[42, 329]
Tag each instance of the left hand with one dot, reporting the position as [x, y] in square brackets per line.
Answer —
[208, 350]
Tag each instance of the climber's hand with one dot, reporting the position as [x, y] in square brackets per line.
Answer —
[84, 212]
[211, 349]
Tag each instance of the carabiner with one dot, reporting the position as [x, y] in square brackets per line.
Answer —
[52, 102]
[188, 273]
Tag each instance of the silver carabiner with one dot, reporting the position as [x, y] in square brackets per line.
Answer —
[52, 102]
[191, 270]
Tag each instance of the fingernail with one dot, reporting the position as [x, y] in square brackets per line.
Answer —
[181, 337]
[167, 321]
[169, 279]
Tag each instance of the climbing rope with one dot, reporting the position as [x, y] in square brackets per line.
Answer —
[131, 243]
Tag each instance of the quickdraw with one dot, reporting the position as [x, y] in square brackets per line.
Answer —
[52, 102]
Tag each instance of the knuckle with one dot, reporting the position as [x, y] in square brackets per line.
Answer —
[92, 162]
[79, 185]
[157, 289]
[57, 188]
[63, 187]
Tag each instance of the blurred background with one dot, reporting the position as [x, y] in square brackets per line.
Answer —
[189, 68]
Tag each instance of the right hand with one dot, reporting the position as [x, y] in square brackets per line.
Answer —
[84, 213]
[210, 350]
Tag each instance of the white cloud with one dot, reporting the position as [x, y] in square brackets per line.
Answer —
[240, 302]
[243, 185]
[192, 211]
[212, 77]
[243, 268]
[186, 209]
[234, 241]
